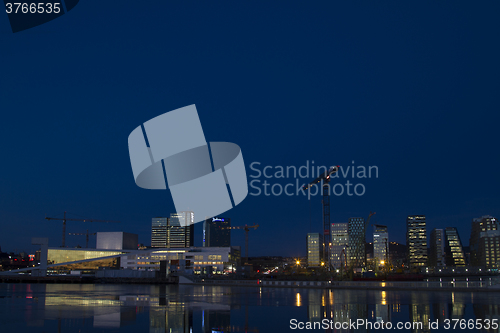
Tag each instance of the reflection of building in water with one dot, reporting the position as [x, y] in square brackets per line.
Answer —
[382, 311]
[174, 318]
[212, 320]
[314, 304]
[487, 311]
[457, 305]
[420, 311]
[339, 306]
[440, 312]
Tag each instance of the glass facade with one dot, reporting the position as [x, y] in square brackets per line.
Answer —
[356, 230]
[339, 246]
[416, 240]
[216, 232]
[314, 245]
[380, 244]
[57, 256]
[159, 228]
[454, 253]
[181, 230]
[436, 255]
[485, 242]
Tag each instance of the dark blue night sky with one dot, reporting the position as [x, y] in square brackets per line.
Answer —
[412, 88]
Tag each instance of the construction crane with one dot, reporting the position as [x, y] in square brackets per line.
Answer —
[325, 179]
[64, 219]
[86, 238]
[246, 228]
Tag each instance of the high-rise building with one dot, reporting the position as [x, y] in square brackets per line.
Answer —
[416, 240]
[339, 245]
[159, 234]
[314, 249]
[356, 231]
[380, 245]
[216, 232]
[181, 230]
[436, 250]
[454, 253]
[484, 242]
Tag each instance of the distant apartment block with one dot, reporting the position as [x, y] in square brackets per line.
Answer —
[176, 231]
[454, 253]
[436, 248]
[314, 249]
[339, 245]
[216, 232]
[416, 240]
[484, 242]
[380, 244]
[356, 231]
[159, 234]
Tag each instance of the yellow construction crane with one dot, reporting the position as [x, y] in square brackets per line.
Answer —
[64, 219]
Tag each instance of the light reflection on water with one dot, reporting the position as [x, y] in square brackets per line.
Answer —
[173, 308]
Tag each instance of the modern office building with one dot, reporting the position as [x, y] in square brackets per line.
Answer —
[484, 242]
[174, 232]
[314, 249]
[159, 232]
[356, 231]
[436, 248]
[454, 253]
[380, 245]
[216, 232]
[397, 255]
[340, 244]
[416, 240]
[181, 230]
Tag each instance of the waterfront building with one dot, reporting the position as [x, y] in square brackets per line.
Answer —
[159, 232]
[436, 250]
[356, 231]
[339, 245]
[217, 232]
[181, 230]
[380, 245]
[197, 260]
[314, 244]
[397, 254]
[454, 253]
[416, 240]
[116, 241]
[484, 242]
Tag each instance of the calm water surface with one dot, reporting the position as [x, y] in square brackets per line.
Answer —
[174, 308]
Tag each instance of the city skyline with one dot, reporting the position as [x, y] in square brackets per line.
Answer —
[417, 101]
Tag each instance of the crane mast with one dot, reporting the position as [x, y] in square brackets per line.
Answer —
[325, 179]
[246, 228]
